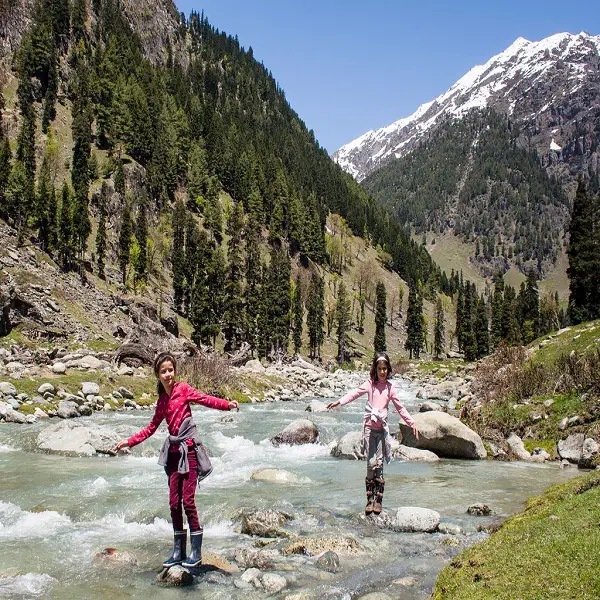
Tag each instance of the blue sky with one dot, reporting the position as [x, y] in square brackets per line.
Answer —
[348, 66]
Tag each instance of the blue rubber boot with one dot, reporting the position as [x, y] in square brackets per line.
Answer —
[178, 555]
[195, 557]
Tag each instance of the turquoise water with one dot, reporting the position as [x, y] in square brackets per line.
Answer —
[57, 512]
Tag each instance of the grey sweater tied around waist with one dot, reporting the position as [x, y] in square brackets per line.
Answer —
[187, 431]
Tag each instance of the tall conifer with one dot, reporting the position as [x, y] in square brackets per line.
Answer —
[342, 323]
[439, 330]
[379, 342]
[297, 314]
[124, 250]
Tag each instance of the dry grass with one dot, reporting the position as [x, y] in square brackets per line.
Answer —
[211, 374]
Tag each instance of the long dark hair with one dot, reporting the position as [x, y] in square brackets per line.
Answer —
[380, 356]
[163, 357]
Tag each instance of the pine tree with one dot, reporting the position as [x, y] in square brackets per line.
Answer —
[124, 248]
[439, 331]
[460, 316]
[253, 283]
[469, 336]
[583, 252]
[216, 286]
[497, 314]
[315, 315]
[213, 216]
[233, 328]
[530, 304]
[177, 254]
[197, 175]
[82, 140]
[119, 179]
[78, 19]
[101, 234]
[42, 204]
[278, 295]
[140, 266]
[65, 228]
[342, 323]
[49, 111]
[5, 163]
[297, 314]
[415, 324]
[379, 342]
[482, 333]
[361, 314]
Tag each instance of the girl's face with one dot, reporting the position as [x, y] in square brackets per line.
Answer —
[166, 374]
[382, 370]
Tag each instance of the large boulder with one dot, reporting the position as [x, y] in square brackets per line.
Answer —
[78, 439]
[349, 446]
[7, 388]
[297, 432]
[414, 518]
[67, 409]
[571, 449]
[443, 434]
[316, 406]
[174, 577]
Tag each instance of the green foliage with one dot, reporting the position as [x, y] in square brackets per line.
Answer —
[124, 246]
[101, 233]
[315, 308]
[475, 165]
[379, 342]
[297, 314]
[584, 261]
[439, 330]
[554, 525]
[140, 265]
[415, 324]
[343, 321]
[65, 227]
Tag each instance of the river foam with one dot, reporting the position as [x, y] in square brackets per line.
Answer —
[25, 586]
[17, 523]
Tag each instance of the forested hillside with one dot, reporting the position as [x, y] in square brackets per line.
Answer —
[193, 177]
[472, 177]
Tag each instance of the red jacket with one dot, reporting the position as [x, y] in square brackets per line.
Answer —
[175, 408]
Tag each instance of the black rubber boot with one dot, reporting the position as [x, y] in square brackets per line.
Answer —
[370, 487]
[379, 489]
[180, 538]
[195, 557]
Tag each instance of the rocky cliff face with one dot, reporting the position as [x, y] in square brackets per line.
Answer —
[550, 89]
[155, 21]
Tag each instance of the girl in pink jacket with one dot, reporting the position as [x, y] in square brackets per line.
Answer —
[376, 432]
[181, 454]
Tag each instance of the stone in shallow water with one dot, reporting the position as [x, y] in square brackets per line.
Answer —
[276, 476]
[301, 431]
[174, 577]
[264, 523]
[329, 561]
[415, 518]
[113, 556]
[479, 510]
[273, 582]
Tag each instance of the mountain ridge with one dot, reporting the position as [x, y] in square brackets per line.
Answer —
[551, 88]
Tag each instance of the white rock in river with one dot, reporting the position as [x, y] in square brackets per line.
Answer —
[403, 452]
[516, 446]
[414, 518]
[276, 476]
[301, 431]
[349, 446]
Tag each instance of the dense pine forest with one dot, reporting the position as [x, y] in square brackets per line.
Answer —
[472, 177]
[195, 175]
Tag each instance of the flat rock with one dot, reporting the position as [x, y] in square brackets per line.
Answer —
[78, 439]
[301, 431]
[402, 452]
[311, 546]
[13, 416]
[276, 476]
[429, 406]
[255, 558]
[414, 518]
[90, 388]
[445, 435]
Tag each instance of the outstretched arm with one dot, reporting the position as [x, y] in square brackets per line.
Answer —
[403, 412]
[198, 397]
[350, 396]
[144, 434]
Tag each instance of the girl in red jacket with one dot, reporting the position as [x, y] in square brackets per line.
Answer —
[182, 454]
[376, 432]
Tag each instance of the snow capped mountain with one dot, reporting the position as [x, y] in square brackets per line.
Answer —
[545, 86]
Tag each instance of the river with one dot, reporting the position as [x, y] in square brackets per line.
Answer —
[57, 512]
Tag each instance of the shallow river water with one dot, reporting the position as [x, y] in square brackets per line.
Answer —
[57, 512]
